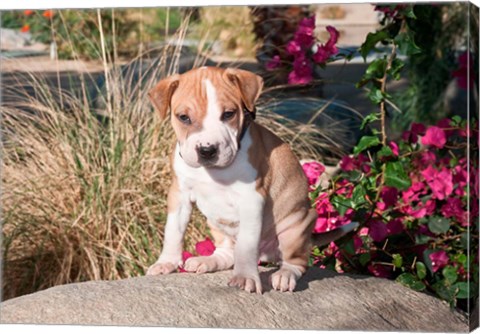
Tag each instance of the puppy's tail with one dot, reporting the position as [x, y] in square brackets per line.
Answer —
[322, 239]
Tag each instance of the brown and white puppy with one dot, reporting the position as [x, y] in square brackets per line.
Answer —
[242, 177]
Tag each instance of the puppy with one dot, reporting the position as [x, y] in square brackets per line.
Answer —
[242, 177]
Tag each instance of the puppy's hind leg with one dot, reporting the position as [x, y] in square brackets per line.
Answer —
[221, 259]
[294, 236]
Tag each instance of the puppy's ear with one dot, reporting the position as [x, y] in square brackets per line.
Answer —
[161, 94]
[249, 83]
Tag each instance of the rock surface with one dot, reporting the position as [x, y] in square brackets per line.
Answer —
[323, 301]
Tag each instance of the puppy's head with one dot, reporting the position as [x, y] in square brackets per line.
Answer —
[207, 111]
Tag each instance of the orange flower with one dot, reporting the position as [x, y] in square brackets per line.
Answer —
[28, 12]
[48, 14]
[25, 28]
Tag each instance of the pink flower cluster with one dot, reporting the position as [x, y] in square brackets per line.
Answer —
[439, 185]
[301, 49]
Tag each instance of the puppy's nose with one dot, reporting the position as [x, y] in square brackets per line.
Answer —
[207, 152]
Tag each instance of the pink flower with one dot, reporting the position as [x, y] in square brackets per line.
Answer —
[414, 192]
[420, 210]
[273, 63]
[357, 244]
[321, 225]
[445, 124]
[380, 270]
[322, 55]
[378, 230]
[395, 226]
[416, 129]
[394, 147]
[334, 34]
[439, 260]
[389, 196]
[308, 22]
[460, 175]
[434, 137]
[313, 170]
[440, 182]
[349, 164]
[453, 207]
[302, 71]
[325, 51]
[363, 231]
[293, 48]
[304, 34]
[426, 158]
[185, 256]
[205, 248]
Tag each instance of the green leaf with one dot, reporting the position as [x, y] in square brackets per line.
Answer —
[438, 225]
[461, 259]
[397, 260]
[396, 68]
[366, 142]
[427, 260]
[349, 247]
[456, 120]
[358, 196]
[385, 152]
[462, 290]
[341, 204]
[450, 274]
[422, 239]
[369, 119]
[411, 281]
[371, 41]
[376, 69]
[395, 176]
[406, 43]
[464, 240]
[408, 12]
[375, 95]
[421, 270]
[445, 291]
[364, 258]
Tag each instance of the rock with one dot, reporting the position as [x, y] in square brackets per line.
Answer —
[324, 300]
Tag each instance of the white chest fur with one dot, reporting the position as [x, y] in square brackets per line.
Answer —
[221, 193]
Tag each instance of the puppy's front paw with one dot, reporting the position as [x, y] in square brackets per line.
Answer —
[161, 268]
[249, 284]
[284, 280]
[201, 264]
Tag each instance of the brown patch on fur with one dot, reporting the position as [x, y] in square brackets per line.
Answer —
[173, 198]
[186, 94]
[227, 223]
[282, 182]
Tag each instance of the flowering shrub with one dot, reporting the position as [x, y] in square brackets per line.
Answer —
[76, 32]
[304, 52]
[415, 200]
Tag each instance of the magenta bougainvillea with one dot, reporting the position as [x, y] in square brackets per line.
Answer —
[416, 202]
[305, 52]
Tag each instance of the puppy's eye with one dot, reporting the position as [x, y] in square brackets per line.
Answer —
[228, 114]
[184, 119]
